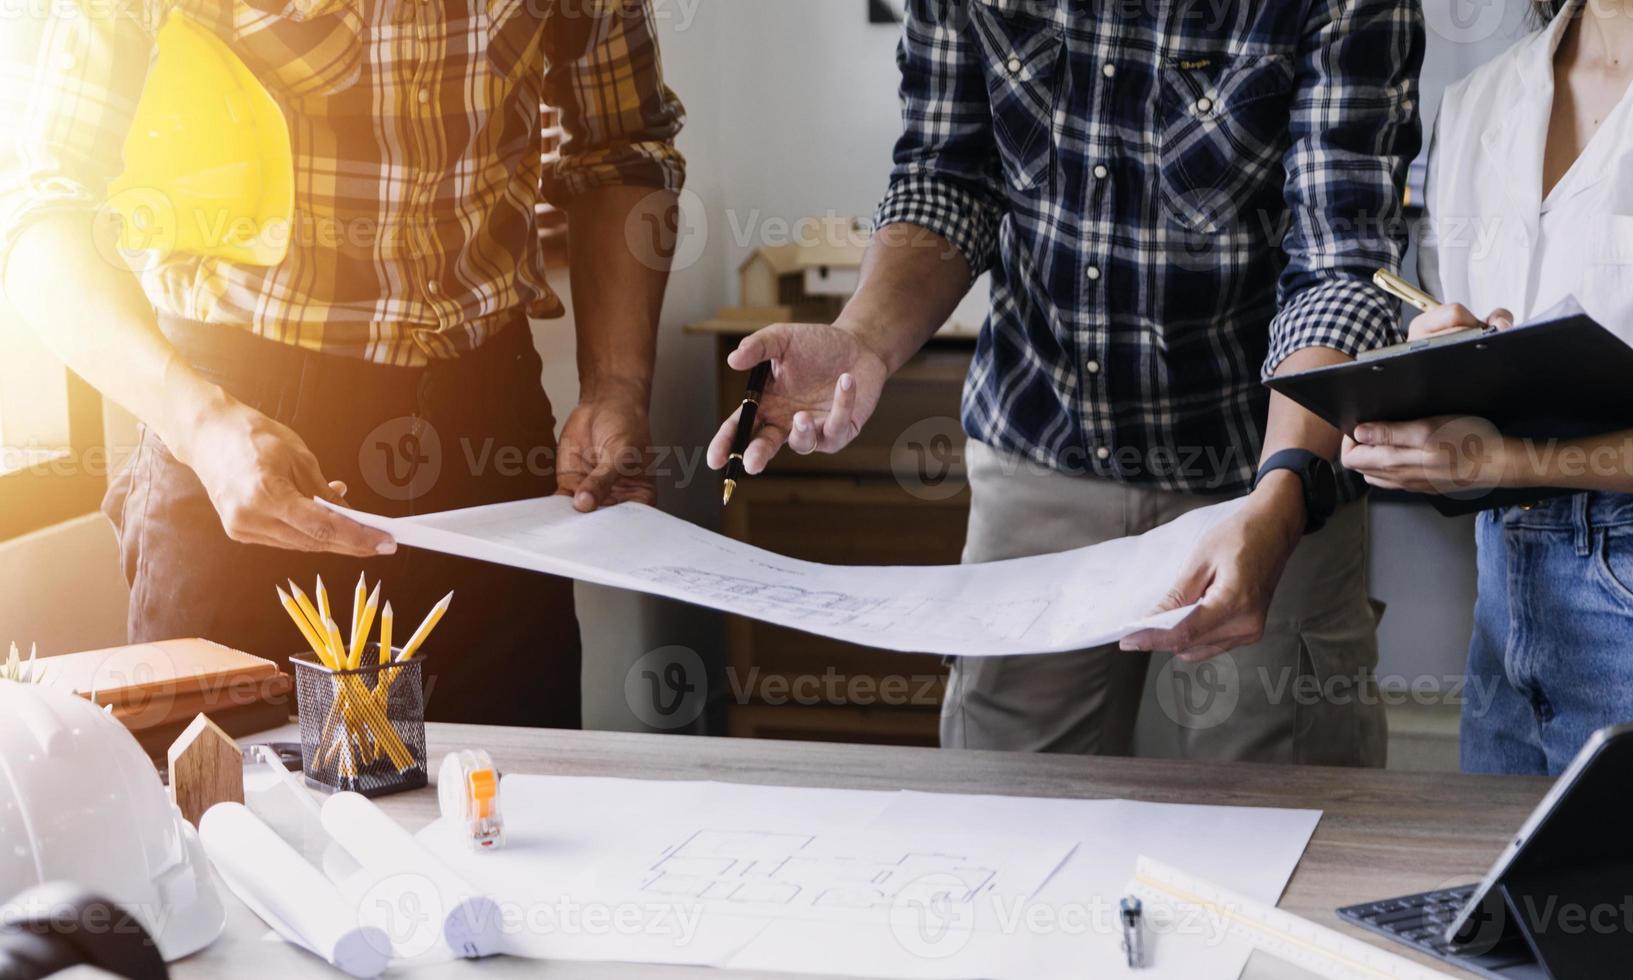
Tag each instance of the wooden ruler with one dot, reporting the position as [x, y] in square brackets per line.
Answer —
[1323, 951]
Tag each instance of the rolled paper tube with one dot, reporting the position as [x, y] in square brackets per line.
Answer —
[293, 897]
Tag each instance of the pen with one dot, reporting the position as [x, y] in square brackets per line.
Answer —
[757, 379]
[1132, 911]
[1402, 290]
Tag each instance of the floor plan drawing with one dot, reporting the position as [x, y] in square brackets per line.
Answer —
[1044, 604]
[741, 868]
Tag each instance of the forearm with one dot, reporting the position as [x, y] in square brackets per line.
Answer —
[93, 315]
[912, 280]
[1292, 427]
[1600, 463]
[618, 285]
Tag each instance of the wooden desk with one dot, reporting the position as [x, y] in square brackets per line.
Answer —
[1383, 834]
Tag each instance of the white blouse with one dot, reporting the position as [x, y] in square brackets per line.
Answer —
[1492, 240]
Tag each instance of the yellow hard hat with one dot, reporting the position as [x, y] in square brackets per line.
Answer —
[208, 169]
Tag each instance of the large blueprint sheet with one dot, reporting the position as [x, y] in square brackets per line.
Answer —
[1044, 604]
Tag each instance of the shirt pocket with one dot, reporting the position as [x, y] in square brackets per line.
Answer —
[1022, 67]
[515, 30]
[1222, 132]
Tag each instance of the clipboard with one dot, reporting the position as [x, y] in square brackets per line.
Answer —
[1562, 377]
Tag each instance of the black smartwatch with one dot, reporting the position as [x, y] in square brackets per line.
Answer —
[1319, 479]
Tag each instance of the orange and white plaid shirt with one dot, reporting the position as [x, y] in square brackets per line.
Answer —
[415, 126]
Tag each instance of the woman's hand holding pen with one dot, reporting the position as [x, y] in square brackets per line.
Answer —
[1455, 318]
[825, 384]
[1448, 455]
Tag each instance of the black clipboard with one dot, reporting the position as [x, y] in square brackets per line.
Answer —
[1561, 378]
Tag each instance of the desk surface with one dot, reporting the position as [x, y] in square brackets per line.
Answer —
[1383, 834]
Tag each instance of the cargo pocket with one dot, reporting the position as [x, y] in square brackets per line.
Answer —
[1223, 133]
[1023, 56]
[1340, 714]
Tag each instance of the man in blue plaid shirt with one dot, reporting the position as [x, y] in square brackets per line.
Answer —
[1176, 199]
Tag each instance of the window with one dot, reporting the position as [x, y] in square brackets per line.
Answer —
[552, 220]
[53, 464]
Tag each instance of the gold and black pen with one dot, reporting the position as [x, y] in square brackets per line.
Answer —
[757, 379]
[1402, 290]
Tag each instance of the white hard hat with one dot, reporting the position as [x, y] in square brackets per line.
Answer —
[80, 802]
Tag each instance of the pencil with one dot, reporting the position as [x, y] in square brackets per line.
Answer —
[359, 596]
[432, 618]
[323, 624]
[336, 648]
[750, 410]
[307, 609]
[299, 617]
[360, 632]
[385, 635]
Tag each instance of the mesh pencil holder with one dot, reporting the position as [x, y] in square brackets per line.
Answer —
[363, 730]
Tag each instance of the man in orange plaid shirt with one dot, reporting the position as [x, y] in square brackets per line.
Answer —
[387, 360]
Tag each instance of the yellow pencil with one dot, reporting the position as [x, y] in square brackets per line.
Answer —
[307, 609]
[362, 628]
[323, 602]
[300, 623]
[359, 596]
[385, 635]
[432, 618]
[337, 650]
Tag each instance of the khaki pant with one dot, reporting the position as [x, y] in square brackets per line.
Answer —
[1306, 693]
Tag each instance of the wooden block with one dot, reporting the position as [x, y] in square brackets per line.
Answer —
[206, 768]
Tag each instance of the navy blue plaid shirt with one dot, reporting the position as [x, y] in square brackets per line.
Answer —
[1172, 196]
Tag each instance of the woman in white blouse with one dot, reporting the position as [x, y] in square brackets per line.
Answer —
[1530, 203]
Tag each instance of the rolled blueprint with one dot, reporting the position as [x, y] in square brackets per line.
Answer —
[290, 895]
[472, 923]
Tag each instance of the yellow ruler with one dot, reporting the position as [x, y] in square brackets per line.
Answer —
[1324, 952]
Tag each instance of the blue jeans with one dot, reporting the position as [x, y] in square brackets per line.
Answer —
[1551, 660]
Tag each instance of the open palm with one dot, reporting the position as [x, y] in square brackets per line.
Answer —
[825, 384]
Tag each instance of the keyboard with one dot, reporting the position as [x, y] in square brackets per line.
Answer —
[1420, 922]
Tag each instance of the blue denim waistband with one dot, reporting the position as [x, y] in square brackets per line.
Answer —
[1581, 513]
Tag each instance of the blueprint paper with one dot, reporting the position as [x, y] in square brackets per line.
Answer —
[919, 886]
[1044, 604]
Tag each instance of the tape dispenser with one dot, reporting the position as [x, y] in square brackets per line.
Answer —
[468, 791]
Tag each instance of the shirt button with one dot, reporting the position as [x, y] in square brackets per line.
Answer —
[1204, 105]
[1108, 70]
[432, 287]
[1102, 454]
[1100, 172]
[1093, 272]
[1014, 65]
[63, 62]
[425, 96]
[1093, 367]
